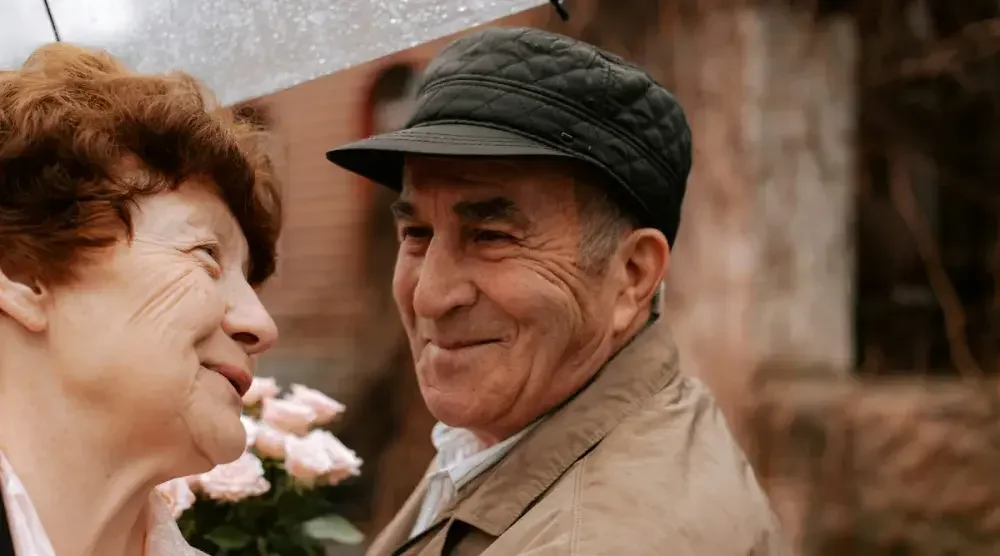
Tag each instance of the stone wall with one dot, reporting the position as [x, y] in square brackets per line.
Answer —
[901, 467]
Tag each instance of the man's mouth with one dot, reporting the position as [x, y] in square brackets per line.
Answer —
[453, 345]
[237, 377]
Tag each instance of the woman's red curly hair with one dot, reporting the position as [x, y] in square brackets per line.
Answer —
[69, 120]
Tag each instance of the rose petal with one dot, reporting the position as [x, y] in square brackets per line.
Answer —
[289, 416]
[320, 457]
[177, 494]
[251, 427]
[235, 481]
[326, 408]
[262, 388]
[270, 442]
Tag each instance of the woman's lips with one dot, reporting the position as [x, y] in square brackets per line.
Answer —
[239, 378]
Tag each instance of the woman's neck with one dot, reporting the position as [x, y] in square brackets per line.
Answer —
[90, 494]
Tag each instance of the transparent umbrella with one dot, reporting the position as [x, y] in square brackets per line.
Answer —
[242, 48]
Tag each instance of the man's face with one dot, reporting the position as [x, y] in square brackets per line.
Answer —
[502, 321]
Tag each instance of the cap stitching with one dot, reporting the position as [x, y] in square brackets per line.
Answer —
[577, 110]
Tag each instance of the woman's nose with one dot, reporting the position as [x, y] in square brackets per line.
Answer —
[250, 324]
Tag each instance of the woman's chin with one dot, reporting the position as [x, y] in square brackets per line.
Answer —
[214, 424]
[229, 445]
[218, 435]
[230, 453]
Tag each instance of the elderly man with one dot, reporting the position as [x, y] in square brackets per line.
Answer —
[540, 189]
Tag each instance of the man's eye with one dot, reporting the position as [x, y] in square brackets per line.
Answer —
[414, 232]
[491, 236]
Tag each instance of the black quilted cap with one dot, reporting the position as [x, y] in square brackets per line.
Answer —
[515, 92]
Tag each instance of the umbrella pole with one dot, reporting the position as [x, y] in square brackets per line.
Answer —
[560, 9]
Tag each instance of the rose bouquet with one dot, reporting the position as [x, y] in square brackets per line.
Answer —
[275, 499]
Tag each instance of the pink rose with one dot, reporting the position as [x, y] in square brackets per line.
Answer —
[326, 408]
[270, 441]
[235, 481]
[262, 388]
[250, 426]
[287, 415]
[177, 494]
[320, 457]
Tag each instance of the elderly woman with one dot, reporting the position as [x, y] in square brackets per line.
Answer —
[135, 222]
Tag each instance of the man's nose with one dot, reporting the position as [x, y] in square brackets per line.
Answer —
[249, 323]
[442, 283]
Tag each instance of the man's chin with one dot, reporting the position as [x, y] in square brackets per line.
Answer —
[455, 366]
[456, 411]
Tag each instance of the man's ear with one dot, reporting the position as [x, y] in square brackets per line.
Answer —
[24, 302]
[645, 254]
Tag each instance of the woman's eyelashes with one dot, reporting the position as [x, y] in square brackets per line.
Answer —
[210, 255]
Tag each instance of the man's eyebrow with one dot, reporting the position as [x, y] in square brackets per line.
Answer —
[497, 209]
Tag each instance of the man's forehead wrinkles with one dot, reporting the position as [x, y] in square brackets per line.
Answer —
[473, 201]
[492, 209]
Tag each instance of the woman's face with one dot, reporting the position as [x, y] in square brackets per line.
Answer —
[161, 331]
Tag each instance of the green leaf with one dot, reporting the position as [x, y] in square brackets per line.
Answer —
[333, 528]
[187, 527]
[228, 537]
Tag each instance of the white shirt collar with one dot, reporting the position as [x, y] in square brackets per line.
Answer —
[461, 457]
[26, 530]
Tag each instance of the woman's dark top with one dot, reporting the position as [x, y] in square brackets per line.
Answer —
[6, 541]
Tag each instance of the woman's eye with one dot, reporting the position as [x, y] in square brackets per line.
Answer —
[212, 251]
[211, 255]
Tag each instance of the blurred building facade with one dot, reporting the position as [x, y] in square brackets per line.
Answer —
[793, 252]
[764, 256]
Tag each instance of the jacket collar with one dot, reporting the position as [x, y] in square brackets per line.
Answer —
[645, 366]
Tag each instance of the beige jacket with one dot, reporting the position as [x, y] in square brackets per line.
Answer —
[639, 463]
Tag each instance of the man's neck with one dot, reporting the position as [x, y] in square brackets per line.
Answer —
[90, 495]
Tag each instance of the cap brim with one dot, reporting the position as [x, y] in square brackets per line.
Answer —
[380, 158]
